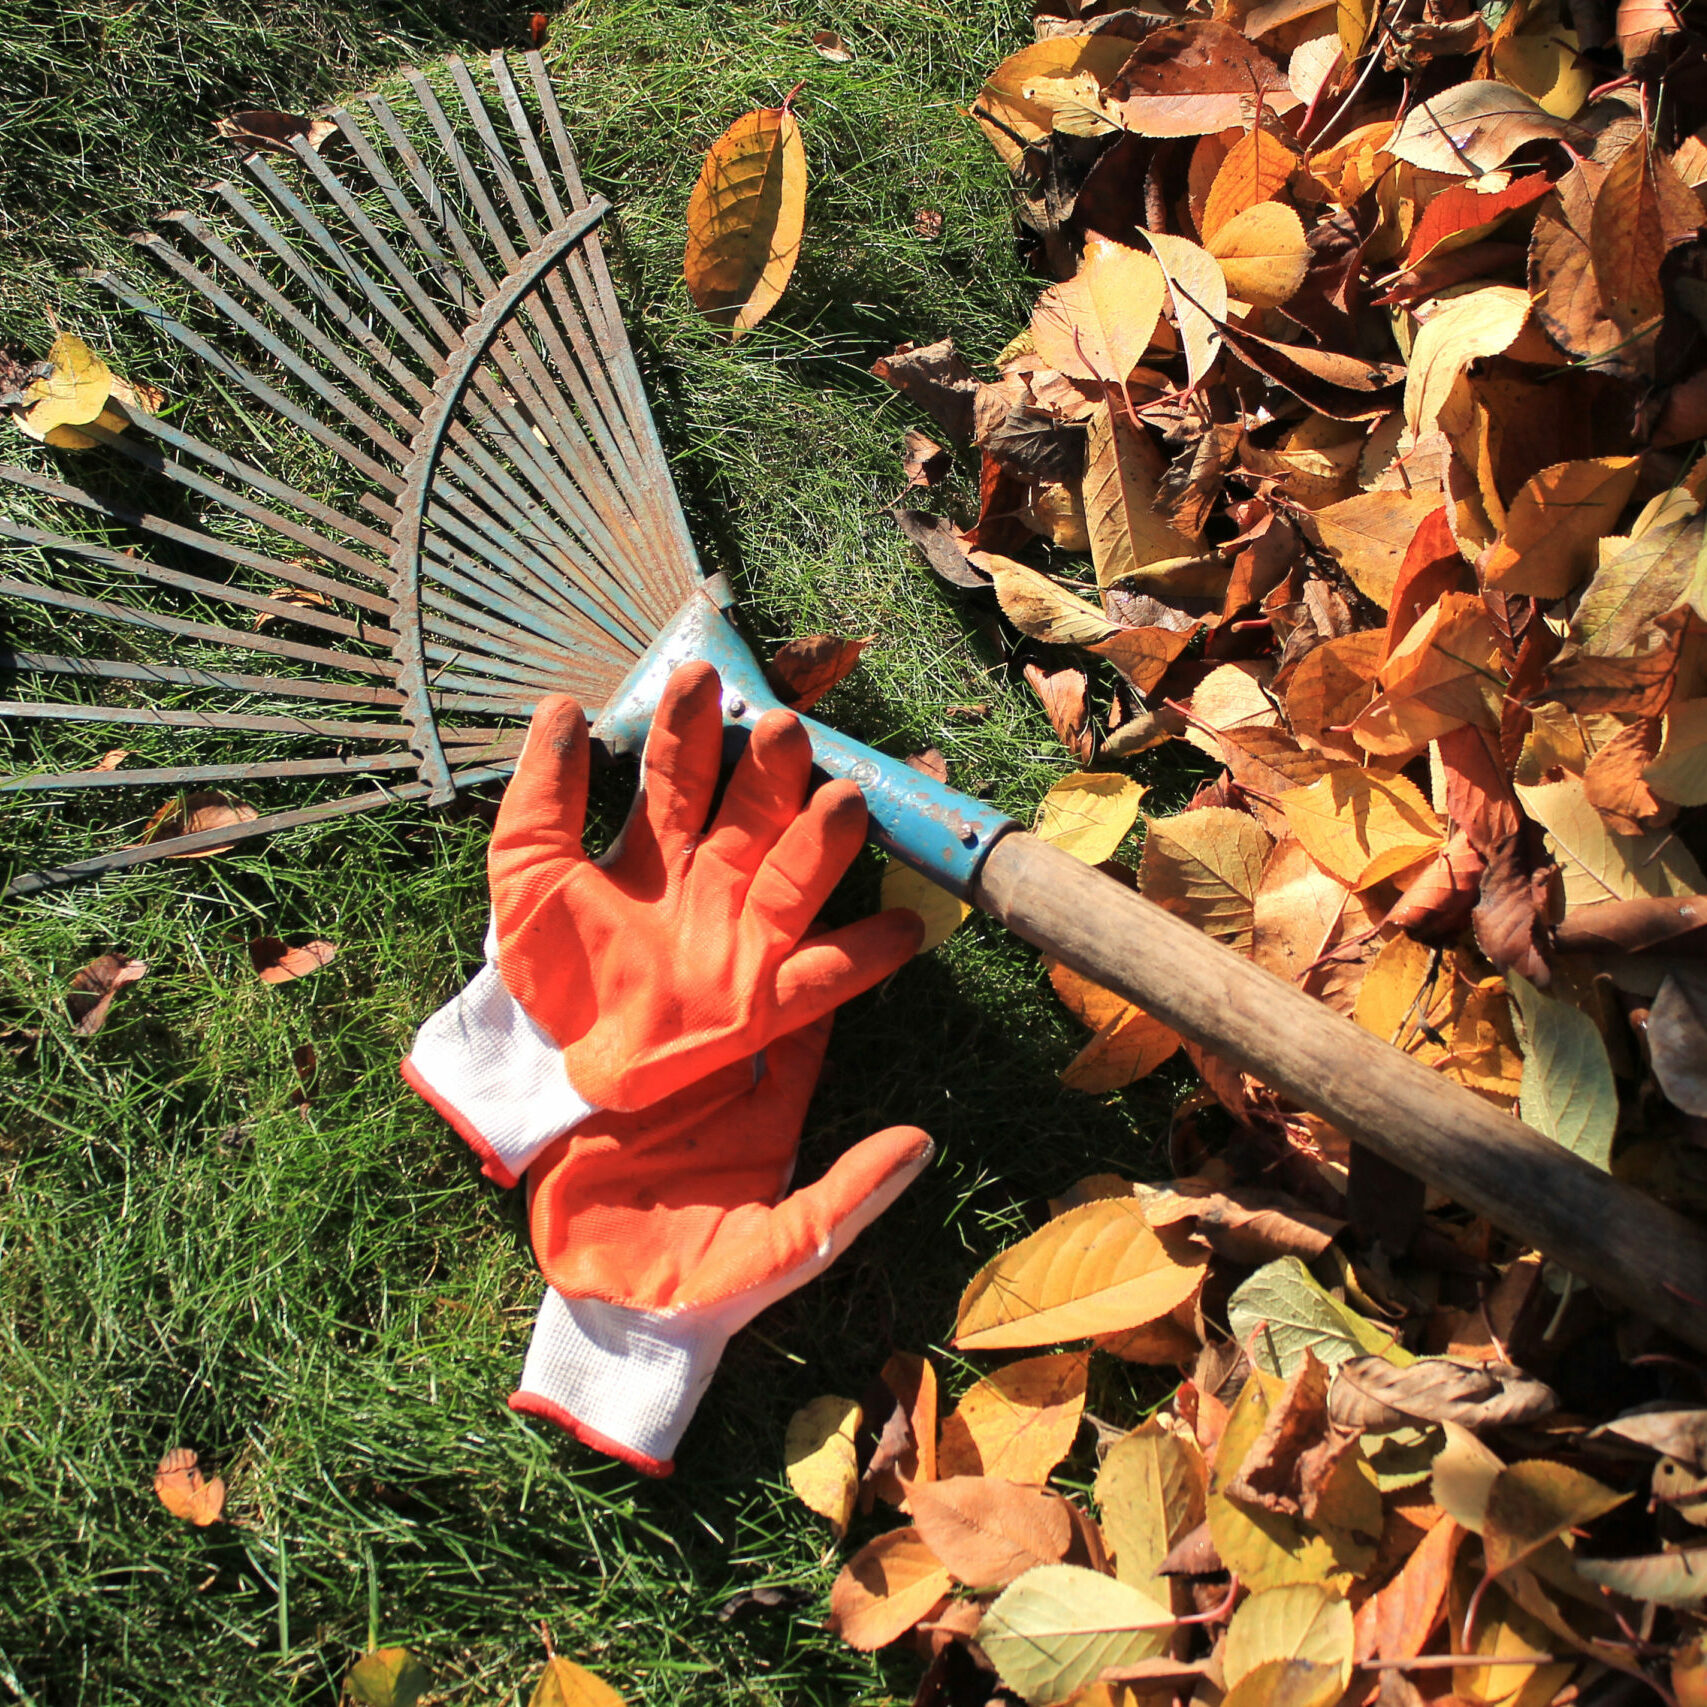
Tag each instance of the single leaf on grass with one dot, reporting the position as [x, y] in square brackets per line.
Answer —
[1098, 324]
[1095, 1270]
[180, 1486]
[388, 1677]
[1003, 110]
[1555, 523]
[565, 1684]
[93, 988]
[1206, 866]
[988, 1531]
[1150, 1490]
[1677, 1039]
[1255, 170]
[1362, 827]
[1568, 1091]
[823, 1467]
[1089, 814]
[1459, 332]
[745, 218]
[1198, 289]
[1017, 1423]
[1129, 536]
[275, 962]
[1059, 1627]
[885, 1589]
[73, 391]
[273, 132]
[944, 913]
[1282, 1311]
[205, 809]
[830, 46]
[1536, 1501]
[1300, 1621]
[1263, 254]
[1473, 127]
[804, 670]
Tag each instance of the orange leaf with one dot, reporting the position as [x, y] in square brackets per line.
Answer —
[204, 810]
[1396, 1623]
[1095, 1270]
[988, 1531]
[1255, 170]
[276, 963]
[885, 1589]
[181, 1488]
[803, 671]
[1555, 523]
[1019, 1422]
[1363, 827]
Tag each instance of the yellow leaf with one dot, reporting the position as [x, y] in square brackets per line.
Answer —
[1598, 864]
[1043, 608]
[1198, 288]
[1088, 814]
[1553, 528]
[1262, 253]
[1481, 323]
[1547, 67]
[1097, 1269]
[1678, 771]
[1150, 1491]
[1018, 1423]
[1286, 1683]
[1205, 866]
[565, 1684]
[1352, 19]
[1299, 1621]
[1255, 171]
[1363, 827]
[823, 1467]
[1536, 1501]
[1099, 323]
[75, 390]
[1370, 533]
[745, 218]
[942, 912]
[1123, 471]
[1128, 1047]
[885, 1589]
[388, 1677]
[1002, 97]
[1446, 672]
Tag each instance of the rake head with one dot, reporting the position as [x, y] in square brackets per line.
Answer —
[425, 313]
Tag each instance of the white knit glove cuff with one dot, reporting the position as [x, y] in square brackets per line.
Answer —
[494, 1074]
[624, 1381]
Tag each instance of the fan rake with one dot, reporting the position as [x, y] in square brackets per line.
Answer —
[433, 321]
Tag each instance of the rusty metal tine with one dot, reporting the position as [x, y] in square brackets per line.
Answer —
[342, 729]
[188, 675]
[220, 592]
[314, 282]
[145, 521]
[188, 630]
[339, 359]
[305, 373]
[613, 336]
[202, 841]
[178, 776]
[183, 475]
[251, 382]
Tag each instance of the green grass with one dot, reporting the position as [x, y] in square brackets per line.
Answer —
[331, 1305]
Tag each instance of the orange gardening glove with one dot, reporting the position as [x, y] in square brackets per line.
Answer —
[664, 1232]
[685, 948]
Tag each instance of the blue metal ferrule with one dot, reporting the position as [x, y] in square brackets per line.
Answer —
[933, 828]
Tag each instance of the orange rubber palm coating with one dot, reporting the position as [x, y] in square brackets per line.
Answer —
[672, 1208]
[685, 948]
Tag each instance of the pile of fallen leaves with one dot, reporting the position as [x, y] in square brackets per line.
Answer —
[1371, 383]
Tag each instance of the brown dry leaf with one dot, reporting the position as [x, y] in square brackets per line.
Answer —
[1206, 865]
[1332, 684]
[988, 1531]
[1263, 254]
[193, 814]
[1446, 672]
[745, 219]
[1255, 170]
[1192, 78]
[906, 1446]
[1099, 323]
[1555, 523]
[1677, 1039]
[1616, 780]
[1363, 827]
[1129, 537]
[803, 671]
[1095, 1270]
[1375, 1393]
[823, 1467]
[90, 997]
[272, 132]
[275, 962]
[923, 460]
[1244, 1224]
[1302, 916]
[180, 1486]
[303, 598]
[1017, 1423]
[885, 1589]
[830, 46]
[940, 383]
[1643, 210]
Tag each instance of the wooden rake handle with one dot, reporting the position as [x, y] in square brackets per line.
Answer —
[1635, 1249]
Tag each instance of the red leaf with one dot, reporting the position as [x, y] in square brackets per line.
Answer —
[803, 671]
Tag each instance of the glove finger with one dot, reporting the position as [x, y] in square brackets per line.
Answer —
[544, 809]
[834, 968]
[808, 860]
[765, 794]
[684, 756]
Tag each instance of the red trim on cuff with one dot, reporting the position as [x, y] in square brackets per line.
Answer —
[490, 1163]
[531, 1404]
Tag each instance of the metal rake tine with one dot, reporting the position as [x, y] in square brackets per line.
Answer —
[181, 775]
[339, 728]
[194, 676]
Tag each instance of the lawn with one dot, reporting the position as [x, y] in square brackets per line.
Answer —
[330, 1305]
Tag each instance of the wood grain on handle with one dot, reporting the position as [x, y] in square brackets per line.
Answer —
[1647, 1256]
